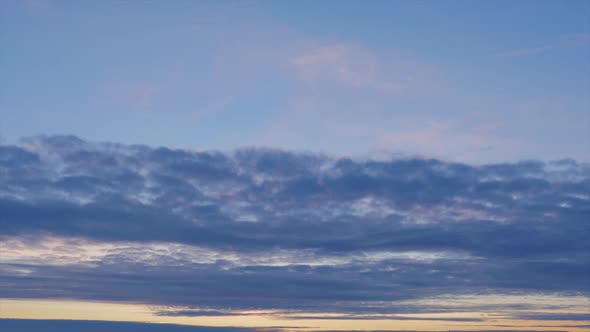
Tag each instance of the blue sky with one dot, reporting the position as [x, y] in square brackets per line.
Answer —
[294, 165]
[464, 81]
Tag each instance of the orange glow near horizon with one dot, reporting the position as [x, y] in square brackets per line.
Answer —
[126, 312]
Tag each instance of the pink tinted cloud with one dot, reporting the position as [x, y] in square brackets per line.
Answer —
[348, 65]
[211, 107]
[143, 95]
[37, 7]
[492, 126]
[339, 62]
[342, 90]
[138, 96]
[457, 140]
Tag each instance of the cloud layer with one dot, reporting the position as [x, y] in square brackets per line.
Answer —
[279, 230]
[99, 326]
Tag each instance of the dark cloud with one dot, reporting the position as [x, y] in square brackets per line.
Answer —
[554, 316]
[503, 330]
[27, 325]
[311, 231]
[198, 313]
[388, 317]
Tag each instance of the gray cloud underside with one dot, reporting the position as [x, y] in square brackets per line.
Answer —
[205, 313]
[30, 325]
[552, 316]
[518, 227]
[503, 330]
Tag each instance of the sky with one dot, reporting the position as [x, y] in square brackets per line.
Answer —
[294, 165]
[464, 81]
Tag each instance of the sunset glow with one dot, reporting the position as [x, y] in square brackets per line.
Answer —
[258, 166]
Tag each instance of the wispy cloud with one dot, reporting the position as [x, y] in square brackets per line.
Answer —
[468, 136]
[37, 7]
[341, 62]
[359, 67]
[133, 96]
[568, 41]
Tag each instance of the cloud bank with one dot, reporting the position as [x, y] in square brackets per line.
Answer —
[200, 233]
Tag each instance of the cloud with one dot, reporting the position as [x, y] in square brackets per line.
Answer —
[25, 325]
[199, 313]
[279, 230]
[37, 7]
[388, 317]
[574, 40]
[136, 96]
[352, 66]
[553, 316]
[340, 62]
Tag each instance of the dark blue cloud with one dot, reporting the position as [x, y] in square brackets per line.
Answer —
[386, 317]
[519, 227]
[27, 325]
[554, 316]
